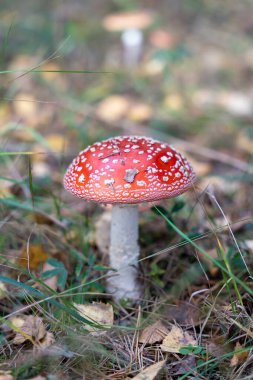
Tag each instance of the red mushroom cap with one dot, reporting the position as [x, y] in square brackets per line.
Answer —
[128, 169]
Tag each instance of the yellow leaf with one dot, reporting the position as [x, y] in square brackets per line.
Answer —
[150, 372]
[6, 376]
[33, 256]
[154, 333]
[25, 106]
[113, 108]
[28, 327]
[57, 142]
[240, 357]
[140, 112]
[177, 339]
[97, 312]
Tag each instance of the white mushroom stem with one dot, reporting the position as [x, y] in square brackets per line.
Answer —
[132, 41]
[124, 252]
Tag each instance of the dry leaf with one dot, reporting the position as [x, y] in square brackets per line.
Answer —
[162, 39]
[41, 169]
[140, 112]
[6, 376]
[57, 142]
[50, 66]
[174, 102]
[240, 357]
[37, 378]
[150, 372]
[25, 106]
[244, 142]
[97, 312]
[184, 313]
[201, 168]
[177, 339]
[113, 108]
[35, 256]
[128, 20]
[47, 341]
[153, 67]
[154, 333]
[28, 327]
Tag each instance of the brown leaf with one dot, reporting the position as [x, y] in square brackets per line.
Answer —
[140, 112]
[113, 108]
[25, 106]
[97, 312]
[185, 314]
[57, 142]
[154, 333]
[28, 327]
[38, 378]
[240, 357]
[35, 256]
[6, 376]
[150, 372]
[177, 339]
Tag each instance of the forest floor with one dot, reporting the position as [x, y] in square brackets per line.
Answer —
[67, 82]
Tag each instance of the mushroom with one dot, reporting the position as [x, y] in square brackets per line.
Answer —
[131, 25]
[125, 171]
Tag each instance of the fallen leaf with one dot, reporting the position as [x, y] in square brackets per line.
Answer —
[25, 106]
[162, 39]
[97, 312]
[154, 333]
[150, 372]
[113, 108]
[37, 378]
[177, 339]
[50, 66]
[153, 67]
[240, 357]
[34, 257]
[57, 142]
[174, 102]
[201, 168]
[140, 112]
[47, 341]
[184, 313]
[6, 376]
[245, 142]
[28, 327]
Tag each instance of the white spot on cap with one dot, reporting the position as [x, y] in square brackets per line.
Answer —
[109, 181]
[165, 178]
[164, 159]
[81, 178]
[141, 183]
[105, 160]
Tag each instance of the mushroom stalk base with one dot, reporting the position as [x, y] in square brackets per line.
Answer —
[124, 252]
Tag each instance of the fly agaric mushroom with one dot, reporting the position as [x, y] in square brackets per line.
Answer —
[125, 171]
[131, 25]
